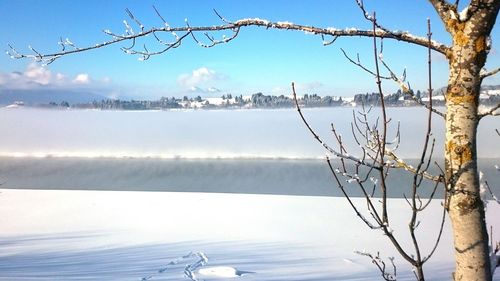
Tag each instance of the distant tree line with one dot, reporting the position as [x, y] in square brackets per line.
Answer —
[260, 100]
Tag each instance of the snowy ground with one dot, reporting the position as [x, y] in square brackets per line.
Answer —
[114, 235]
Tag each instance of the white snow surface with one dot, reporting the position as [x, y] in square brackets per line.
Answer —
[327, 225]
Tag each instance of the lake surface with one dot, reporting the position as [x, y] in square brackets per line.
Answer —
[311, 177]
[235, 151]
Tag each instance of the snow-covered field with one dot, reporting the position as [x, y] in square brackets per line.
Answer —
[116, 235]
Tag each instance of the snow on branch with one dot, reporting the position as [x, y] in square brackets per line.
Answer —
[361, 176]
[405, 87]
[370, 17]
[369, 171]
[495, 258]
[334, 152]
[485, 190]
[444, 9]
[181, 32]
[494, 253]
[381, 265]
[493, 111]
[485, 74]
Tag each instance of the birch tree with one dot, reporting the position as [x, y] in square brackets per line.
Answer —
[470, 32]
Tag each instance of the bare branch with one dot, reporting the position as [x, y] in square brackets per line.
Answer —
[326, 43]
[141, 26]
[160, 16]
[342, 189]
[408, 91]
[492, 111]
[235, 26]
[360, 65]
[416, 181]
[325, 145]
[438, 239]
[489, 73]
[400, 81]
[381, 144]
[488, 188]
[494, 253]
[378, 164]
[443, 9]
[221, 17]
[380, 263]
[370, 17]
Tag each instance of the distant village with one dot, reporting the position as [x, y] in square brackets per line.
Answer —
[489, 96]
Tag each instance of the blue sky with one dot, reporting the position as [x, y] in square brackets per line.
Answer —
[258, 60]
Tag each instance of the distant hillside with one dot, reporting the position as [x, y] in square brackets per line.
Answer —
[491, 89]
[46, 96]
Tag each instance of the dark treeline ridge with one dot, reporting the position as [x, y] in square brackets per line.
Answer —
[260, 100]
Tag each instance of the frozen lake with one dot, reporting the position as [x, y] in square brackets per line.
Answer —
[205, 133]
[74, 207]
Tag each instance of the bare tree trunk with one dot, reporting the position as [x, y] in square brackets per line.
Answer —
[465, 207]
[467, 57]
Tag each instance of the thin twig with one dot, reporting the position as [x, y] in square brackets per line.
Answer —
[360, 65]
[383, 186]
[316, 136]
[380, 264]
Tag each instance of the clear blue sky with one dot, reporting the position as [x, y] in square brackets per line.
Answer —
[258, 60]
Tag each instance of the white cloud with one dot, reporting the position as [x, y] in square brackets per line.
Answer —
[82, 78]
[38, 74]
[35, 76]
[60, 77]
[198, 78]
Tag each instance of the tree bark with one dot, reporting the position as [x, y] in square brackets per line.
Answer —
[464, 204]
[466, 57]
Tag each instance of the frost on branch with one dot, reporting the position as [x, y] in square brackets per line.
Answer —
[368, 169]
[485, 190]
[388, 273]
[135, 30]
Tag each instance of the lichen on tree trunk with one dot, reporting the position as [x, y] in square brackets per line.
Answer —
[464, 204]
[466, 57]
